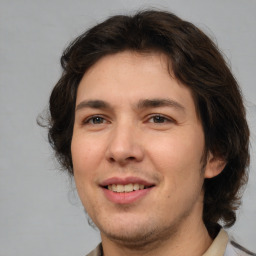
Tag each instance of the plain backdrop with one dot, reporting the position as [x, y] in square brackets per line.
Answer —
[40, 213]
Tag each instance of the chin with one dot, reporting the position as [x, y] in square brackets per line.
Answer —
[137, 236]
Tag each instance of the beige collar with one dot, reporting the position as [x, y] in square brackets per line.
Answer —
[218, 245]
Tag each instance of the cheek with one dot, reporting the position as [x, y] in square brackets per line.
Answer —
[84, 152]
[86, 157]
[84, 164]
[177, 155]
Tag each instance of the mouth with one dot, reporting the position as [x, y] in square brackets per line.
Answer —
[119, 188]
[126, 190]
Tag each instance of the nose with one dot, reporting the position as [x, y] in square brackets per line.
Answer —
[125, 145]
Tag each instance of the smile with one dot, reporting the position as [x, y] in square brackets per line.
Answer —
[119, 188]
[126, 190]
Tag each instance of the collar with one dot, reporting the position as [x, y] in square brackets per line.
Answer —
[218, 245]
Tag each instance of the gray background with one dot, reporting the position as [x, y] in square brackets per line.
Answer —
[40, 213]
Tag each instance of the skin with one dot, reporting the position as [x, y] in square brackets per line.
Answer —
[160, 143]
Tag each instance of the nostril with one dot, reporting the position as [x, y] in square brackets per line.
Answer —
[131, 158]
[128, 159]
[111, 159]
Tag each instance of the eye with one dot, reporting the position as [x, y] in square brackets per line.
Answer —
[95, 120]
[159, 119]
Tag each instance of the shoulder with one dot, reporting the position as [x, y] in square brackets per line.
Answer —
[96, 252]
[235, 249]
[224, 245]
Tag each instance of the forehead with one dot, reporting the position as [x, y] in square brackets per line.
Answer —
[132, 76]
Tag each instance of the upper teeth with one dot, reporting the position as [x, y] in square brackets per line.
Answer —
[125, 188]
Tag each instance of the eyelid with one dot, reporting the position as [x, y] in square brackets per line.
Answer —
[89, 118]
[167, 118]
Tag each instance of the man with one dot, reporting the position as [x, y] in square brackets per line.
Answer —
[150, 121]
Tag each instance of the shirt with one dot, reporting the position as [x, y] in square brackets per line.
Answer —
[221, 246]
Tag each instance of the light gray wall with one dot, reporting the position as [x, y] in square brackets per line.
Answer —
[40, 213]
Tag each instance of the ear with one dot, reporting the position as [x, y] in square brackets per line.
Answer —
[214, 166]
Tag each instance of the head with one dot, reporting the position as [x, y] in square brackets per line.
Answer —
[195, 62]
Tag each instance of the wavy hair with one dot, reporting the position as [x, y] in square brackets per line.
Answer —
[198, 64]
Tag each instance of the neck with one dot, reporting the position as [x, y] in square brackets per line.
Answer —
[192, 236]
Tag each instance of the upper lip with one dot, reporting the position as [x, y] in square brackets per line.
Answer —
[125, 181]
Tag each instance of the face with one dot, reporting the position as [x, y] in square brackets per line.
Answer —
[137, 148]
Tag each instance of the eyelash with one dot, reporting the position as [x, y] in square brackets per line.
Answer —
[161, 119]
[91, 118]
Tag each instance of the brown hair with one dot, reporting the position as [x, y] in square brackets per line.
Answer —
[197, 63]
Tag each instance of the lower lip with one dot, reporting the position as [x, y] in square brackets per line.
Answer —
[126, 198]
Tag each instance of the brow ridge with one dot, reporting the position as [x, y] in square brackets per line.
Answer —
[154, 103]
[142, 104]
[97, 104]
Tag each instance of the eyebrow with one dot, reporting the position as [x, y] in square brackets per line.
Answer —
[97, 104]
[154, 103]
[142, 104]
